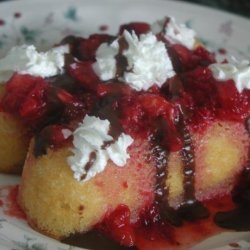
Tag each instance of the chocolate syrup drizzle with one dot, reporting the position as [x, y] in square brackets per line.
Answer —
[92, 158]
[104, 109]
[121, 60]
[165, 24]
[190, 208]
[239, 218]
[94, 240]
[161, 153]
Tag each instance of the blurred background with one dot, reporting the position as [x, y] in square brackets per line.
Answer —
[240, 7]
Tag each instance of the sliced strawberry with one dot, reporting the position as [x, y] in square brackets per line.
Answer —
[234, 105]
[114, 88]
[74, 107]
[34, 105]
[131, 116]
[26, 97]
[84, 74]
[180, 57]
[201, 88]
[155, 105]
[86, 49]
[203, 57]
[138, 27]
[74, 110]
[64, 96]
[58, 134]
[118, 227]
[53, 136]
[17, 89]
[184, 59]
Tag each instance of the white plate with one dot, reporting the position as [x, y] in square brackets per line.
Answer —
[45, 22]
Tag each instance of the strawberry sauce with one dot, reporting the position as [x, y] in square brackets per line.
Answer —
[9, 203]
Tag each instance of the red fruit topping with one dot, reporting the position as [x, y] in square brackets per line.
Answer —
[212, 98]
[86, 49]
[34, 106]
[138, 27]
[53, 136]
[84, 74]
[75, 110]
[65, 96]
[26, 97]
[118, 227]
[74, 107]
[146, 106]
[131, 116]
[184, 59]
[114, 89]
[155, 105]
[234, 105]
[12, 208]
[152, 227]
[200, 87]
[56, 135]
[150, 216]
[16, 90]
[204, 57]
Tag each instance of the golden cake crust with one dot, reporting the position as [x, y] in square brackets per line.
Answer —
[14, 142]
[58, 205]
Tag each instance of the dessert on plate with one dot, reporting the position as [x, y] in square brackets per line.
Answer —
[141, 137]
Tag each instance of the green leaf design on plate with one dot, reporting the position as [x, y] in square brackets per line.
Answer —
[29, 35]
[189, 23]
[30, 244]
[38, 246]
[1, 44]
[71, 14]
[204, 41]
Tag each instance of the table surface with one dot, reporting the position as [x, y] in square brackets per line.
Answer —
[240, 7]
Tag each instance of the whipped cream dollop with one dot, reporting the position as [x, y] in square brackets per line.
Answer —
[239, 72]
[90, 155]
[175, 33]
[105, 65]
[148, 62]
[25, 59]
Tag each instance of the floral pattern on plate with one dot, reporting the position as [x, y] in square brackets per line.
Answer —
[69, 19]
[15, 31]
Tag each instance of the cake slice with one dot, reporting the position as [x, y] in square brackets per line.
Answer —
[220, 154]
[58, 205]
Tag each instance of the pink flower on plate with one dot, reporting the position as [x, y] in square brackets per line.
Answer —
[49, 19]
[17, 14]
[2, 22]
[226, 28]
